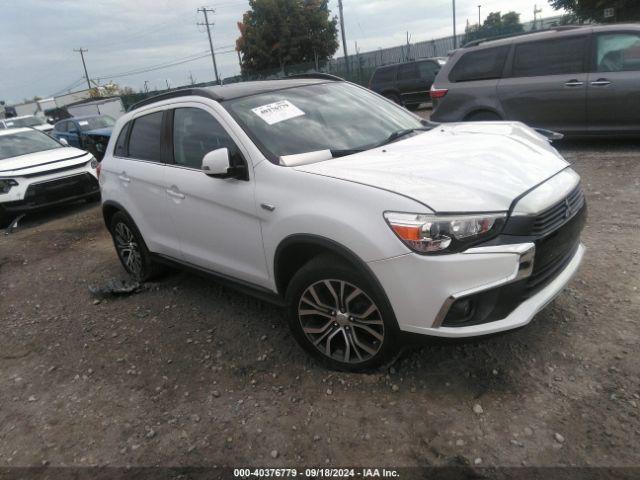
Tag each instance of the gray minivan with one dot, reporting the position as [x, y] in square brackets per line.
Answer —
[579, 80]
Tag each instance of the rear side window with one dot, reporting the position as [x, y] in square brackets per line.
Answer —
[428, 70]
[62, 127]
[144, 141]
[618, 52]
[407, 71]
[480, 65]
[385, 74]
[121, 143]
[550, 57]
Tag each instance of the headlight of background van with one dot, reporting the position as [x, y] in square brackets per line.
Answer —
[431, 234]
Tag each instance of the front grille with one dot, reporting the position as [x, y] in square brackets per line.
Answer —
[60, 189]
[553, 217]
[555, 251]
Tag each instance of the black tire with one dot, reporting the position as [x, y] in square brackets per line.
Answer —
[143, 268]
[354, 344]
[482, 116]
[5, 221]
[94, 198]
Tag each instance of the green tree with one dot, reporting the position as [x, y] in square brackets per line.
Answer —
[593, 10]
[496, 25]
[278, 33]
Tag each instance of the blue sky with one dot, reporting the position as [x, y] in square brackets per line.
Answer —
[38, 37]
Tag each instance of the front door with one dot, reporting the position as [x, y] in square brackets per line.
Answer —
[215, 218]
[547, 84]
[613, 90]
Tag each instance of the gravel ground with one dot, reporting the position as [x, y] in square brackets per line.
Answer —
[187, 372]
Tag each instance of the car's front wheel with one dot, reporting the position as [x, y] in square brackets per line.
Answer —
[131, 249]
[337, 316]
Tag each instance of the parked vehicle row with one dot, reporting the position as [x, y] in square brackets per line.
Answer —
[363, 221]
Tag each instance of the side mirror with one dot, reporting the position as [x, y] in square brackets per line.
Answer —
[217, 164]
[64, 142]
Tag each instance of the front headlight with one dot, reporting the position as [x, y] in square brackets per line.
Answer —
[6, 184]
[93, 163]
[443, 234]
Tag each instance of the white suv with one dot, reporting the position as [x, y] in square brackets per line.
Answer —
[364, 221]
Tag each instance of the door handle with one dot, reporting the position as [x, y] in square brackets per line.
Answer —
[124, 178]
[174, 194]
[574, 83]
[601, 82]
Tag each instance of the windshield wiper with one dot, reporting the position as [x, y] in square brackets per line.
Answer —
[402, 133]
[394, 136]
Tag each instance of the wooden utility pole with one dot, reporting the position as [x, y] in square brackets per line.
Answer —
[84, 65]
[344, 36]
[206, 23]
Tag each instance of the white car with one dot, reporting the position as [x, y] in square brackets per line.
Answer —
[38, 172]
[26, 121]
[362, 220]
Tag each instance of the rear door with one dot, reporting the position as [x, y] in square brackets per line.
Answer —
[427, 70]
[140, 175]
[216, 218]
[546, 85]
[613, 90]
[411, 86]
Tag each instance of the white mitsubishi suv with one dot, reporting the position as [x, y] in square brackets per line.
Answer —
[362, 220]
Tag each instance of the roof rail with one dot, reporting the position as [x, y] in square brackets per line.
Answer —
[560, 28]
[183, 92]
[318, 75]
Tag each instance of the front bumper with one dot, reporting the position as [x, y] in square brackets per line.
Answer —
[41, 192]
[421, 289]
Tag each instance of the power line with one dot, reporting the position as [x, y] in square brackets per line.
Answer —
[205, 11]
[84, 65]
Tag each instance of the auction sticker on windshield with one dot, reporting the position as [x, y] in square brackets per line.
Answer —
[277, 112]
[83, 123]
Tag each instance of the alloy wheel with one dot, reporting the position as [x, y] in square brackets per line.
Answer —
[128, 248]
[341, 321]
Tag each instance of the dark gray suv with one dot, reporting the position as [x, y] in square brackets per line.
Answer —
[407, 83]
[575, 80]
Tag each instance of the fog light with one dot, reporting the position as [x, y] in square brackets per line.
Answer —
[460, 312]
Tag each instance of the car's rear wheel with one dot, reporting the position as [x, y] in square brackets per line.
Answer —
[5, 221]
[131, 249]
[337, 316]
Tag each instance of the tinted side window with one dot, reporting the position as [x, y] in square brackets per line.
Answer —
[196, 133]
[407, 71]
[62, 127]
[121, 143]
[550, 57]
[480, 65]
[144, 142]
[385, 74]
[428, 70]
[618, 52]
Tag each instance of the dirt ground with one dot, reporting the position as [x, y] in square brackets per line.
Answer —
[188, 372]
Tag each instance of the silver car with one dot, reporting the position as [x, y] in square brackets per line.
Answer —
[578, 80]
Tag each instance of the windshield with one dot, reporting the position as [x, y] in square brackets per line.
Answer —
[23, 143]
[23, 122]
[93, 123]
[329, 116]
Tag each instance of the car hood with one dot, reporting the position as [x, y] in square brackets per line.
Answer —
[105, 132]
[457, 167]
[47, 160]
